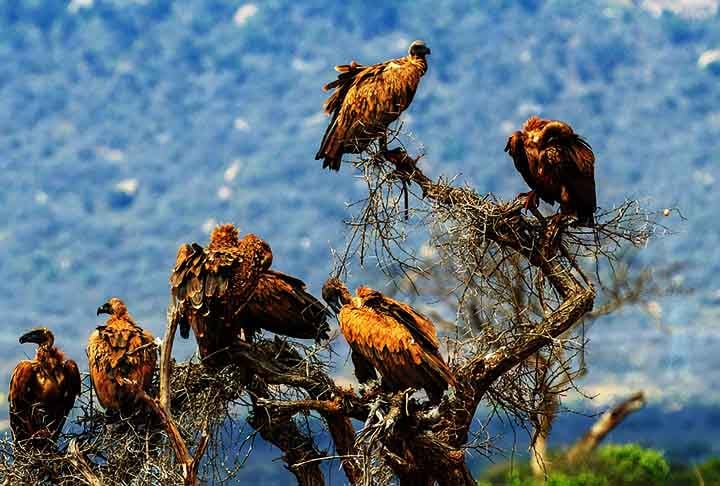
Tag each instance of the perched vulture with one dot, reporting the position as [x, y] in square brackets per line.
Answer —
[226, 291]
[558, 165]
[281, 305]
[391, 338]
[211, 286]
[42, 391]
[366, 100]
[122, 358]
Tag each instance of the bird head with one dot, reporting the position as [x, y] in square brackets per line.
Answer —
[554, 130]
[261, 251]
[418, 49]
[266, 256]
[41, 336]
[335, 294]
[224, 236]
[114, 307]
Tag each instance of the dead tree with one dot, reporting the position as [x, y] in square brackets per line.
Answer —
[602, 427]
[496, 254]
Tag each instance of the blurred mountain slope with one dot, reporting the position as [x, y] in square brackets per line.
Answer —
[128, 127]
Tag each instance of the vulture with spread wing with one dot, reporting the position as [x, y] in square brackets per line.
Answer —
[226, 291]
[211, 286]
[122, 358]
[281, 305]
[391, 338]
[558, 165]
[366, 100]
[42, 391]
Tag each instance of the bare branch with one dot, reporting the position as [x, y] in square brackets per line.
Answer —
[78, 459]
[604, 425]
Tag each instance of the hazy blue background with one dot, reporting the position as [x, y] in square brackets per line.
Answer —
[128, 127]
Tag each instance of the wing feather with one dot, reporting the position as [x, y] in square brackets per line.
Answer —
[73, 384]
[403, 357]
[419, 326]
[281, 304]
[20, 400]
[118, 352]
[365, 100]
[210, 287]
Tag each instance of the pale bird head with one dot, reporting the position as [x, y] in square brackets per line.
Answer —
[418, 49]
[114, 307]
[41, 336]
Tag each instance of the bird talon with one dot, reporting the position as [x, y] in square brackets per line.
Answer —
[531, 200]
[556, 161]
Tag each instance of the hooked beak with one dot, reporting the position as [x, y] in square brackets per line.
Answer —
[333, 302]
[335, 306]
[428, 51]
[106, 308]
[266, 261]
[37, 336]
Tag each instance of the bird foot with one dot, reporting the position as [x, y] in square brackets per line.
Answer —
[532, 201]
[566, 219]
[369, 388]
[375, 415]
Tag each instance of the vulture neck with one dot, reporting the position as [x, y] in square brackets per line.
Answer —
[418, 62]
[50, 358]
[121, 320]
[223, 243]
[345, 296]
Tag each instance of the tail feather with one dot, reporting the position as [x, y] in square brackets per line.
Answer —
[331, 163]
[329, 150]
[440, 377]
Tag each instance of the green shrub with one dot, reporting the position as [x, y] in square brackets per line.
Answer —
[627, 465]
[708, 472]
[585, 478]
[632, 464]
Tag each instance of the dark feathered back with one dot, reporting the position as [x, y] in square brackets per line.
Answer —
[557, 164]
[365, 101]
[210, 286]
[281, 305]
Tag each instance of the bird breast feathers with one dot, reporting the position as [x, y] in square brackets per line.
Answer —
[107, 347]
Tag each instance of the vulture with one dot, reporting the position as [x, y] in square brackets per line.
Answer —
[42, 391]
[122, 358]
[558, 165]
[366, 100]
[391, 338]
[227, 290]
[281, 305]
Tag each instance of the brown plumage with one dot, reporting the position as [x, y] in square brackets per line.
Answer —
[211, 286]
[42, 391]
[122, 358]
[281, 305]
[558, 165]
[391, 338]
[366, 100]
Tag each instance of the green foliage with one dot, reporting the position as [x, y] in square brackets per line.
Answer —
[632, 464]
[626, 464]
[705, 473]
[585, 478]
